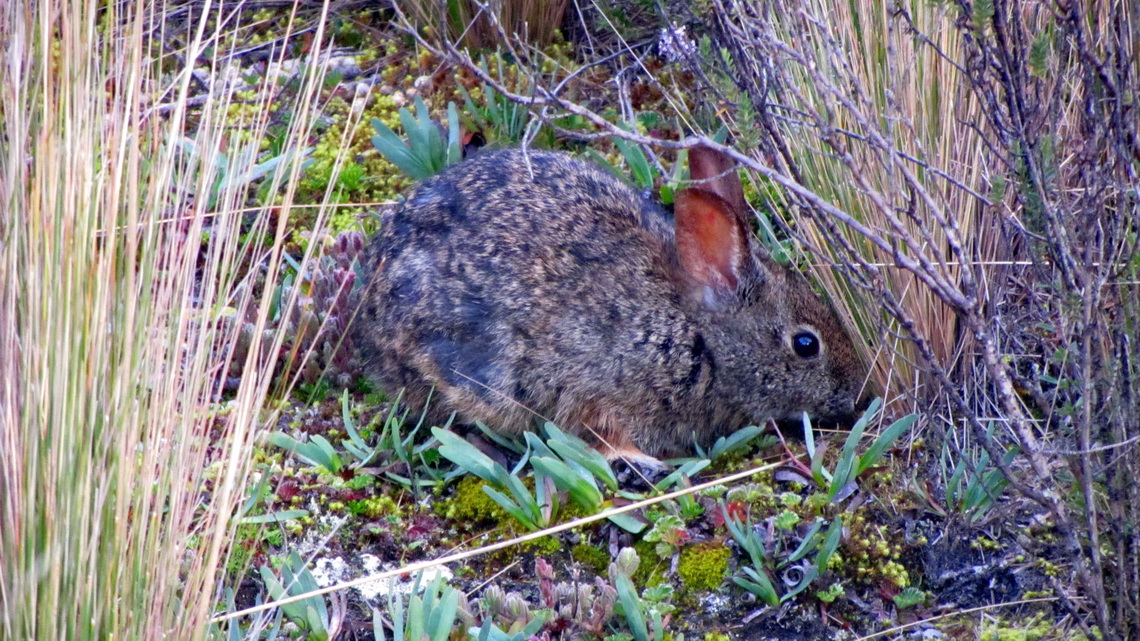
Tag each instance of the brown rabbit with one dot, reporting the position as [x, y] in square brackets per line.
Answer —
[522, 284]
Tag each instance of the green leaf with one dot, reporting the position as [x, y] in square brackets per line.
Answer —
[512, 508]
[631, 606]
[830, 544]
[744, 535]
[417, 136]
[886, 438]
[397, 152]
[688, 469]
[735, 441]
[819, 474]
[350, 423]
[466, 455]
[442, 617]
[954, 496]
[574, 449]
[328, 451]
[454, 150]
[643, 173]
[843, 469]
[583, 491]
[312, 453]
[537, 446]
[628, 522]
[909, 597]
[415, 627]
[760, 585]
[806, 545]
[378, 625]
[255, 496]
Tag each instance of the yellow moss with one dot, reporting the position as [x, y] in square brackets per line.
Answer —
[869, 556]
[1049, 569]
[472, 505]
[702, 567]
[375, 506]
[1037, 627]
[545, 545]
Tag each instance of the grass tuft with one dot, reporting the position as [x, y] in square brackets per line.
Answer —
[124, 269]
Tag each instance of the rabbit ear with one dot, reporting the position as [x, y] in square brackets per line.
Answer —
[714, 171]
[713, 242]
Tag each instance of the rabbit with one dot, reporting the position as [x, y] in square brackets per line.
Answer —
[522, 284]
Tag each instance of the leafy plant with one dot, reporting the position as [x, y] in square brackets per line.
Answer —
[510, 611]
[642, 173]
[561, 463]
[428, 616]
[841, 482]
[316, 451]
[500, 119]
[645, 613]
[909, 597]
[668, 532]
[310, 613]
[508, 489]
[757, 579]
[972, 489]
[420, 460]
[425, 153]
[240, 172]
[355, 452]
[735, 442]
[491, 632]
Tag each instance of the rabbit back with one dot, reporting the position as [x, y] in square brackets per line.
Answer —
[531, 285]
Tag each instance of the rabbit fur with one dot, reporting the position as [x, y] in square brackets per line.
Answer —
[530, 284]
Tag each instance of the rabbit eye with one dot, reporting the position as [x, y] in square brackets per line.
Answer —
[805, 345]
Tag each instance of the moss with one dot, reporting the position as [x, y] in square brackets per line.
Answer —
[360, 482]
[651, 570]
[703, 567]
[373, 507]
[546, 545]
[472, 505]
[242, 550]
[590, 556]
[1037, 627]
[367, 177]
[869, 555]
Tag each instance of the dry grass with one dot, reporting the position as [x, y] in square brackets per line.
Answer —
[871, 122]
[120, 298]
[476, 27]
